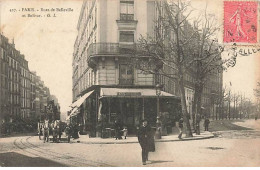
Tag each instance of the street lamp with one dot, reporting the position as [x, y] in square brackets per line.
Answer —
[158, 123]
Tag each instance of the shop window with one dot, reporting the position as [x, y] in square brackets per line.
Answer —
[127, 10]
[126, 75]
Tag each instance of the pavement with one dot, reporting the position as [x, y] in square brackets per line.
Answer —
[170, 138]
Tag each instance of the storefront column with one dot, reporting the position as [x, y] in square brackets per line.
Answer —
[121, 111]
[109, 110]
[97, 105]
[143, 110]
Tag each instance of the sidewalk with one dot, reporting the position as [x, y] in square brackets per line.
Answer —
[171, 138]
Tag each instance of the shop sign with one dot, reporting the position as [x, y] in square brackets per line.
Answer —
[129, 94]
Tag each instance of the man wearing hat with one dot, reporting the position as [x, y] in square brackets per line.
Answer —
[144, 139]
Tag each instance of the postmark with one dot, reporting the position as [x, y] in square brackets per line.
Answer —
[240, 22]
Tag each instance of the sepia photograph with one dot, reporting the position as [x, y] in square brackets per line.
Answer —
[129, 83]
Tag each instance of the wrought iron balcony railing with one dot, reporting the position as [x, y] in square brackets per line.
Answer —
[109, 49]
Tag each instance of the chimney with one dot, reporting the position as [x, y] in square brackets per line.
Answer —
[13, 43]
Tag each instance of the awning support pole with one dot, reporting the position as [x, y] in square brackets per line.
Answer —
[143, 110]
[109, 110]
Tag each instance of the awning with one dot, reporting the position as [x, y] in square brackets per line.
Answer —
[132, 93]
[74, 112]
[81, 99]
[77, 104]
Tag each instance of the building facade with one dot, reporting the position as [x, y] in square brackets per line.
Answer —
[23, 95]
[25, 92]
[106, 86]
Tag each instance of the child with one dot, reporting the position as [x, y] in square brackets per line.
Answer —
[125, 132]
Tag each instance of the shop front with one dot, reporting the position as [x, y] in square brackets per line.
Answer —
[98, 110]
[130, 106]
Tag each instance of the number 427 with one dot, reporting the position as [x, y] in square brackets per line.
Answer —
[13, 10]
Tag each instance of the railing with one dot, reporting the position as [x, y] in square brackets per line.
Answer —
[126, 17]
[109, 49]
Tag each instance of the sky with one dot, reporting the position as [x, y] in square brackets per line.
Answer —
[48, 43]
[243, 76]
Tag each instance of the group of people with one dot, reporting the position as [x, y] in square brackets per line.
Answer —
[46, 128]
[119, 131]
[180, 126]
[145, 136]
[72, 130]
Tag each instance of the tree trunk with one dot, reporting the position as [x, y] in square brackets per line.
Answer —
[198, 109]
[194, 104]
[184, 108]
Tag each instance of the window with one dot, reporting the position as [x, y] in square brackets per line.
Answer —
[126, 36]
[126, 75]
[127, 10]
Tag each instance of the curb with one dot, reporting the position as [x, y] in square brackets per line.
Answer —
[166, 140]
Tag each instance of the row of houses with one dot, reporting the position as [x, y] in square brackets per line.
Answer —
[106, 86]
[23, 95]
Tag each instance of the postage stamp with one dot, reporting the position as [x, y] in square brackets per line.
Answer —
[240, 21]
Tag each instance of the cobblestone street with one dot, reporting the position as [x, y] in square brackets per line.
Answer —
[229, 148]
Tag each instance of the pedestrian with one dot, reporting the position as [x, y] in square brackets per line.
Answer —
[206, 124]
[125, 131]
[68, 131]
[146, 140]
[180, 127]
[39, 127]
[46, 133]
[117, 130]
[75, 130]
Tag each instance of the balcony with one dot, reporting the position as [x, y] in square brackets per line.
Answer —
[127, 17]
[99, 49]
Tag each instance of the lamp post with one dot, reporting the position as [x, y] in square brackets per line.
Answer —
[158, 123]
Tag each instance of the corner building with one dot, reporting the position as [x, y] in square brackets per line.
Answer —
[106, 87]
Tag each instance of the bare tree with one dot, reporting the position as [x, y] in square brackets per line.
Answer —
[169, 47]
[209, 62]
[183, 48]
[257, 91]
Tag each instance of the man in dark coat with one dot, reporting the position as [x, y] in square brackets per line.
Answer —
[146, 140]
[117, 130]
[206, 124]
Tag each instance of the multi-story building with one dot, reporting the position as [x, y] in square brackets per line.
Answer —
[102, 69]
[10, 81]
[25, 89]
[5, 105]
[107, 87]
[33, 94]
[22, 94]
[37, 98]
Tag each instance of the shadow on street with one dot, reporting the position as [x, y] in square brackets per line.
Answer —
[13, 159]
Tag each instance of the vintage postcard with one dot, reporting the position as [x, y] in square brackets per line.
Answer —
[129, 83]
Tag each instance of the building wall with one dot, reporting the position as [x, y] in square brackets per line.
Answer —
[10, 80]
[33, 94]
[100, 22]
[19, 87]
[25, 89]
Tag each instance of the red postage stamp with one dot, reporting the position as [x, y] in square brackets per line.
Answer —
[240, 21]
